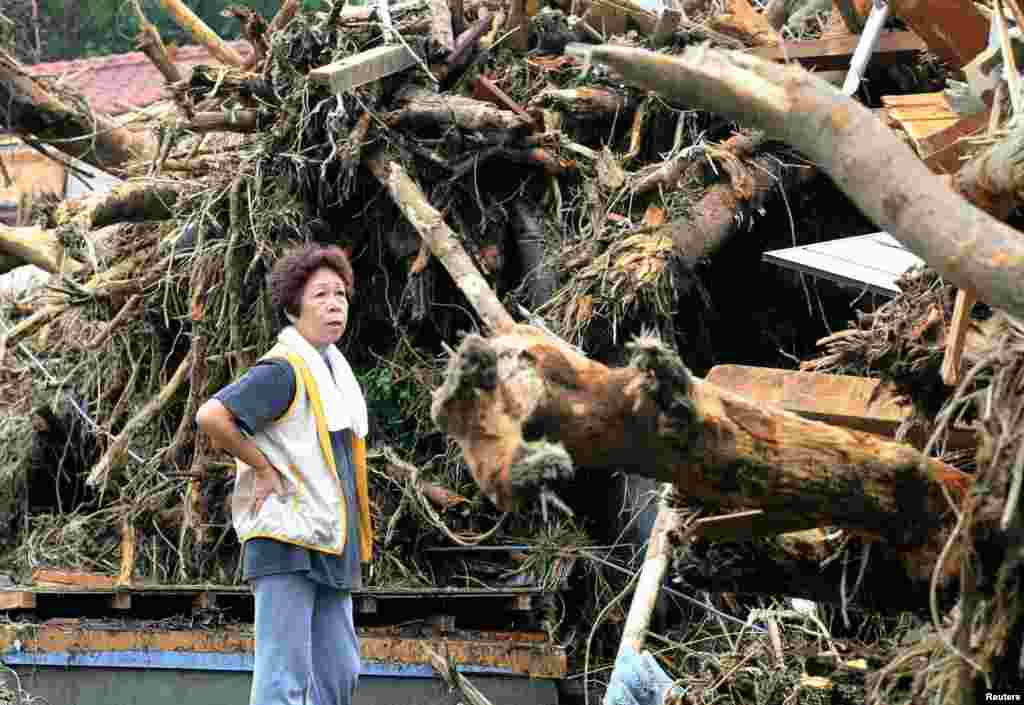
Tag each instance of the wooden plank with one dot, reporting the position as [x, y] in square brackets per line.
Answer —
[943, 151]
[954, 30]
[365, 67]
[49, 576]
[17, 600]
[843, 400]
[835, 53]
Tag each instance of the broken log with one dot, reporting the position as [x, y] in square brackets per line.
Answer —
[242, 121]
[442, 37]
[439, 496]
[724, 208]
[582, 103]
[898, 193]
[149, 43]
[38, 246]
[443, 242]
[994, 179]
[30, 111]
[421, 109]
[653, 418]
[201, 32]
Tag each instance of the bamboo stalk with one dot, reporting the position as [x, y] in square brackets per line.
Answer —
[202, 33]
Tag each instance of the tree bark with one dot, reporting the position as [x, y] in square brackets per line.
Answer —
[887, 181]
[242, 121]
[583, 103]
[441, 35]
[722, 210]
[132, 201]
[422, 109]
[29, 110]
[655, 419]
[443, 243]
[150, 43]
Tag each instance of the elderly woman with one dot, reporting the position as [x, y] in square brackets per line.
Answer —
[296, 423]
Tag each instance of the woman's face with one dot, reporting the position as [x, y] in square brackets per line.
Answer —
[323, 308]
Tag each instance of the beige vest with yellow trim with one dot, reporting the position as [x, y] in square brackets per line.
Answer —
[313, 514]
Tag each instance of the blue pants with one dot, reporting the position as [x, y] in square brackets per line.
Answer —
[306, 643]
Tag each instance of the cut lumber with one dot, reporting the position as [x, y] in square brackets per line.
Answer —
[954, 30]
[742, 21]
[365, 67]
[857, 403]
[201, 32]
[835, 53]
[920, 115]
[898, 193]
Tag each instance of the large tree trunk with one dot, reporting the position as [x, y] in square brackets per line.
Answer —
[29, 110]
[527, 408]
[869, 163]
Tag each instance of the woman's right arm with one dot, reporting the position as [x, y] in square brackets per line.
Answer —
[218, 423]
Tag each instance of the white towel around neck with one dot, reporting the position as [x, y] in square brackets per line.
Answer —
[342, 399]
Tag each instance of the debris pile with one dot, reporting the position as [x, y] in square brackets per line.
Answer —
[534, 174]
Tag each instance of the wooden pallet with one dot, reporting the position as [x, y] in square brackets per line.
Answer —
[85, 600]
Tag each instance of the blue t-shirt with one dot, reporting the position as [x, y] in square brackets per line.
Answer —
[256, 399]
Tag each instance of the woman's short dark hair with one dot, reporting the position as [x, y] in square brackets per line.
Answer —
[293, 270]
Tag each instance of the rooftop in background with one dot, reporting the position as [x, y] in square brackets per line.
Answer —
[116, 83]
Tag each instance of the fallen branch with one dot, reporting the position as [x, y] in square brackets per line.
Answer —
[253, 30]
[30, 111]
[582, 103]
[151, 44]
[38, 246]
[126, 310]
[242, 121]
[443, 243]
[740, 20]
[442, 38]
[133, 201]
[201, 32]
[422, 109]
[899, 193]
[114, 457]
[401, 471]
[724, 208]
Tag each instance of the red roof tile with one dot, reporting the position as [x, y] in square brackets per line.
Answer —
[112, 82]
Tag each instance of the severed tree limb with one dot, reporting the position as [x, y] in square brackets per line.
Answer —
[401, 471]
[201, 32]
[28, 110]
[38, 246]
[442, 36]
[423, 109]
[723, 209]
[132, 201]
[114, 457]
[253, 30]
[242, 121]
[443, 242]
[994, 179]
[889, 183]
[128, 542]
[126, 310]
[150, 43]
[655, 419]
[583, 103]
[283, 17]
